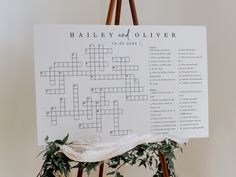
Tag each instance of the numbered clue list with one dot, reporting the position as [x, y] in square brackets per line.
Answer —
[178, 88]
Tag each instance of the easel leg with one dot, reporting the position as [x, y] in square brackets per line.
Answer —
[163, 164]
[118, 10]
[80, 172]
[101, 170]
[110, 12]
[133, 12]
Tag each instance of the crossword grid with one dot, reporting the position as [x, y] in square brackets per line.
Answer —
[97, 53]
[116, 120]
[76, 102]
[93, 110]
[131, 83]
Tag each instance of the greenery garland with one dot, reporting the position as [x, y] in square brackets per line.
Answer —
[146, 155]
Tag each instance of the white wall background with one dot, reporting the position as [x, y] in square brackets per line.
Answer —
[212, 157]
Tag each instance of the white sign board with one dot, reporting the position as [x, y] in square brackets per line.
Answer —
[111, 81]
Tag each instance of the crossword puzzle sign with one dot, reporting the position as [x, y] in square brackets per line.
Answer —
[111, 81]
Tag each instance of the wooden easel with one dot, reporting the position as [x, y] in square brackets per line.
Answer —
[118, 11]
[117, 22]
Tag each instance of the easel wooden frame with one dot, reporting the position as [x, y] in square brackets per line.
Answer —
[118, 12]
[117, 22]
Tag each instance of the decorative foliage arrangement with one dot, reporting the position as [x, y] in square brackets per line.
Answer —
[146, 155]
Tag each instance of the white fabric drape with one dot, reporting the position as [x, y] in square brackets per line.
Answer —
[93, 150]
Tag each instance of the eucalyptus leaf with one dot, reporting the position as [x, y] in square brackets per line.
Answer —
[65, 139]
[111, 173]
